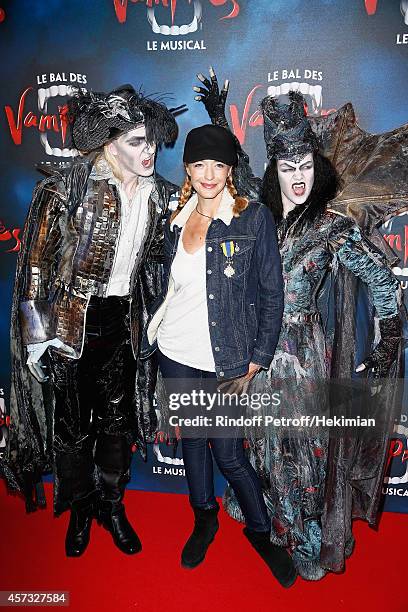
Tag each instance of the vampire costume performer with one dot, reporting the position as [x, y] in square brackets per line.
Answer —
[89, 266]
[314, 486]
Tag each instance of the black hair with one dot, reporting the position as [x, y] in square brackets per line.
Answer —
[325, 186]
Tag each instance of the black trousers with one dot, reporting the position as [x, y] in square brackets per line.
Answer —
[93, 400]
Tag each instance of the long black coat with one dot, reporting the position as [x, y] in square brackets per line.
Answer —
[58, 268]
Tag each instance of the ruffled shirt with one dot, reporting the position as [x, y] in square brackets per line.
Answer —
[133, 221]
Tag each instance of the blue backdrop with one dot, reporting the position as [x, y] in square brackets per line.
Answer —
[353, 50]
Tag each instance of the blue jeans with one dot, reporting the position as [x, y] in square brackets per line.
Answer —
[228, 453]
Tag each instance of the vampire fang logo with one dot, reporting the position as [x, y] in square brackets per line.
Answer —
[44, 123]
[372, 5]
[44, 95]
[51, 122]
[173, 28]
[11, 236]
[398, 452]
[313, 91]
[4, 424]
[404, 10]
[164, 458]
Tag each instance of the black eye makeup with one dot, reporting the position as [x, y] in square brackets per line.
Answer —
[136, 142]
[306, 166]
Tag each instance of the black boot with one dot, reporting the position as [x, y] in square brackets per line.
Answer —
[74, 488]
[113, 517]
[205, 528]
[113, 456]
[276, 558]
[79, 528]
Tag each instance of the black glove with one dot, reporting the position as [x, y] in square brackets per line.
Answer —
[386, 350]
[213, 100]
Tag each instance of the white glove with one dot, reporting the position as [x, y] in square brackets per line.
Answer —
[36, 351]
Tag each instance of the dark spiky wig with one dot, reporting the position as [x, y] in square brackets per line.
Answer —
[287, 131]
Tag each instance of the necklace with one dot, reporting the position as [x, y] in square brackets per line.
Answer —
[202, 214]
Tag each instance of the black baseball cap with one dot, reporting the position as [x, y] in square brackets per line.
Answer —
[210, 142]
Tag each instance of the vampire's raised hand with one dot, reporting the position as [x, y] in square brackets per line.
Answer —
[213, 99]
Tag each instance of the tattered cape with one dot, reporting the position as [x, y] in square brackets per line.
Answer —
[374, 173]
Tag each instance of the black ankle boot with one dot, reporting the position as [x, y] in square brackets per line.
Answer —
[113, 517]
[276, 558]
[205, 528]
[79, 528]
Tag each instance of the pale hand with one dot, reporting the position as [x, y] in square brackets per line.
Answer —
[240, 385]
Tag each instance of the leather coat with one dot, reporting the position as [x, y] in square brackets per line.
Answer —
[66, 257]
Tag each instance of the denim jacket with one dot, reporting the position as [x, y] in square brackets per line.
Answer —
[245, 308]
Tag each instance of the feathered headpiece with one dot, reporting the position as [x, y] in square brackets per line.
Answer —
[97, 118]
[287, 131]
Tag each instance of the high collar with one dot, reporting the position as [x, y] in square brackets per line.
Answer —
[224, 212]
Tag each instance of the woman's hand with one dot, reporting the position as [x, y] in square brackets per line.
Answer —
[252, 370]
[240, 385]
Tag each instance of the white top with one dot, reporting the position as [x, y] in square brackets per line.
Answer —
[183, 335]
[133, 220]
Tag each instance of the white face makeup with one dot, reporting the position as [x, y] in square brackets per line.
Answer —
[133, 153]
[295, 180]
[208, 177]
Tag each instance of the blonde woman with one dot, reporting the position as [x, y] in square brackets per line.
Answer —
[219, 319]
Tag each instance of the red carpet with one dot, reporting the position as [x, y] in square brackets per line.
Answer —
[232, 578]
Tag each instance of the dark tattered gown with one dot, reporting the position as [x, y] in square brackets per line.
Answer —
[293, 467]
